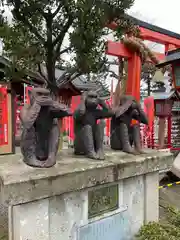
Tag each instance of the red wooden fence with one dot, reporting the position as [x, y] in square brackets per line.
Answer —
[3, 116]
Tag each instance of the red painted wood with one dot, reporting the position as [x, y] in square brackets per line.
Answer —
[118, 49]
[147, 34]
[169, 47]
[159, 56]
[131, 76]
[133, 82]
[138, 78]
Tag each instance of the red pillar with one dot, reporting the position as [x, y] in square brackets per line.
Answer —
[134, 76]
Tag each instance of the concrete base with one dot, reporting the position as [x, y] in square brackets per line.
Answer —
[52, 204]
[176, 166]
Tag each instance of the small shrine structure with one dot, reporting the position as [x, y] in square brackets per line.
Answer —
[163, 103]
[173, 59]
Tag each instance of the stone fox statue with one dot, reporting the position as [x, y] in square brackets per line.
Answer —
[88, 133]
[123, 133]
[40, 135]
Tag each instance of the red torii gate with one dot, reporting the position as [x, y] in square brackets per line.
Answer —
[147, 32]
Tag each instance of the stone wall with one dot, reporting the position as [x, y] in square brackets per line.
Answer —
[66, 216]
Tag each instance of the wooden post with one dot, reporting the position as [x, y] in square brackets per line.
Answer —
[134, 77]
[161, 132]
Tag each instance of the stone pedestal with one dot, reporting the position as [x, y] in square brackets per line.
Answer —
[80, 199]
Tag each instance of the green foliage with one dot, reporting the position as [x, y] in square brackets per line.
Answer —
[125, 24]
[39, 28]
[173, 216]
[21, 47]
[162, 231]
[157, 231]
[89, 28]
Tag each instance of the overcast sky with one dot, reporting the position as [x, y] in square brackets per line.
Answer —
[164, 13]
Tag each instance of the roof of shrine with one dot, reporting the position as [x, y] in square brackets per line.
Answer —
[171, 57]
[63, 79]
[95, 85]
[165, 95]
[82, 84]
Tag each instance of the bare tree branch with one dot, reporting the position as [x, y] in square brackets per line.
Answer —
[45, 78]
[45, 15]
[64, 50]
[59, 39]
[58, 54]
[113, 74]
[112, 62]
[57, 10]
[40, 72]
[66, 6]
